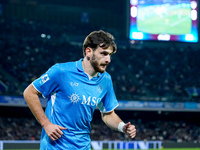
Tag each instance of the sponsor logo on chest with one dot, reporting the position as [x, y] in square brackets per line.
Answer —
[84, 100]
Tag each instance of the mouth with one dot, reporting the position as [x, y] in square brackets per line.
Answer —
[104, 65]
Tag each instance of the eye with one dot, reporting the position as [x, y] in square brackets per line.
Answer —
[104, 53]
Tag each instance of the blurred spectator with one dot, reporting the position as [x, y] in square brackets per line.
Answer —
[178, 131]
[159, 74]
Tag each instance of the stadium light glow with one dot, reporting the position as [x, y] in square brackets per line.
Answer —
[43, 35]
[193, 5]
[134, 2]
[133, 11]
[137, 35]
[164, 37]
[189, 37]
[48, 36]
[193, 14]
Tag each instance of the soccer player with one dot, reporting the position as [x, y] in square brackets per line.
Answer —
[74, 90]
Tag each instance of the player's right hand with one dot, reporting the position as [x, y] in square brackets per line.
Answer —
[54, 131]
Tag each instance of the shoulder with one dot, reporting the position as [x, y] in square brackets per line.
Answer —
[107, 76]
[64, 66]
[60, 68]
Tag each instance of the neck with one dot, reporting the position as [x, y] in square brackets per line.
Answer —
[88, 69]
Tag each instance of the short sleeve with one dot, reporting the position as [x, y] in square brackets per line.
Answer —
[47, 83]
[109, 101]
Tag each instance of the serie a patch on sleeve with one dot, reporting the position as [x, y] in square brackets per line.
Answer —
[44, 78]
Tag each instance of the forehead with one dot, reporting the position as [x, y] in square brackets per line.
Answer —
[108, 50]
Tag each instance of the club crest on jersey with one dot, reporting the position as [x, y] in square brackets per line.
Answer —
[99, 88]
[74, 98]
[45, 78]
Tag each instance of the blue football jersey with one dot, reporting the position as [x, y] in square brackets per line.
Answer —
[72, 99]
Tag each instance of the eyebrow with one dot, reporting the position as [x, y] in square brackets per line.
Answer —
[104, 51]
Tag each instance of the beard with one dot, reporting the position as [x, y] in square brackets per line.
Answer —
[96, 65]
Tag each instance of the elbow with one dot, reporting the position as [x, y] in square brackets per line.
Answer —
[105, 116]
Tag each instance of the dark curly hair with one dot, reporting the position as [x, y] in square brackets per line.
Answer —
[99, 39]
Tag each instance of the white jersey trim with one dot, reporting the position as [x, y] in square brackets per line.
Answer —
[104, 110]
[37, 90]
[53, 98]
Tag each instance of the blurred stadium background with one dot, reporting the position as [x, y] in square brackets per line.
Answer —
[157, 83]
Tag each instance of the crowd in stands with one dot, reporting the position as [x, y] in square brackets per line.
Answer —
[19, 129]
[165, 72]
[177, 131]
[29, 48]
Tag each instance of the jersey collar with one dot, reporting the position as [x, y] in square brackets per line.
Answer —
[79, 66]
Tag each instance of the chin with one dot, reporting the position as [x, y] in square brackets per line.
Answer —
[102, 70]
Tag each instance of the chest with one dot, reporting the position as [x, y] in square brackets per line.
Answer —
[79, 90]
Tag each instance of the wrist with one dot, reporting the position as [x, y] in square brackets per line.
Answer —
[45, 122]
[120, 126]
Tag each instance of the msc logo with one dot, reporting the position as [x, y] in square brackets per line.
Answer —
[91, 101]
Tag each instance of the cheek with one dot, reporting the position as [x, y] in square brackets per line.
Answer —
[98, 59]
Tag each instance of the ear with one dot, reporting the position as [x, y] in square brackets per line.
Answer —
[88, 52]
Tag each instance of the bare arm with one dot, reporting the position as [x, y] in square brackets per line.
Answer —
[112, 120]
[31, 96]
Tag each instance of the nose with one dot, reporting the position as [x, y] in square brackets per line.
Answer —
[108, 60]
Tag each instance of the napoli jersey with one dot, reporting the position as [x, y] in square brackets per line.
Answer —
[72, 99]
